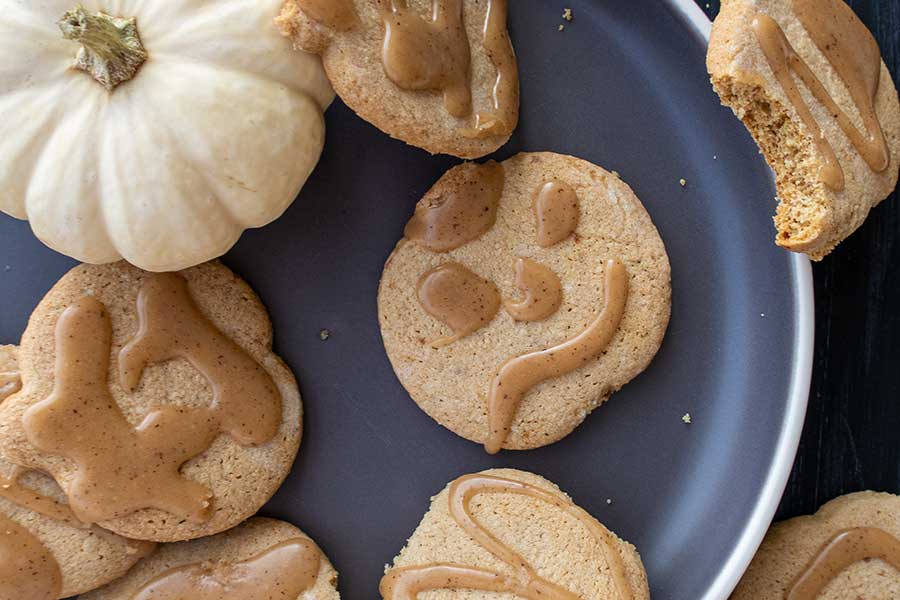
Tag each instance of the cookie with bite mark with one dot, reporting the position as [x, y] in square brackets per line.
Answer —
[807, 79]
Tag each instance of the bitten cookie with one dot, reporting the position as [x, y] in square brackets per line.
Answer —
[807, 79]
[515, 533]
[437, 74]
[262, 559]
[45, 552]
[154, 400]
[522, 295]
[849, 549]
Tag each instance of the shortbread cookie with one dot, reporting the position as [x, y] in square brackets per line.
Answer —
[849, 549]
[807, 79]
[154, 400]
[515, 533]
[522, 295]
[437, 74]
[262, 559]
[45, 552]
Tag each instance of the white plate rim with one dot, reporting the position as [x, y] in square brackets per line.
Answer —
[798, 392]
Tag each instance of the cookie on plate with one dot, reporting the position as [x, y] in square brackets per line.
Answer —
[512, 532]
[154, 400]
[849, 549]
[807, 79]
[45, 552]
[440, 75]
[262, 559]
[521, 296]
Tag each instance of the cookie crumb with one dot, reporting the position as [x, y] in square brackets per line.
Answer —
[324, 334]
[615, 174]
[567, 14]
[682, 182]
[561, 27]
[686, 418]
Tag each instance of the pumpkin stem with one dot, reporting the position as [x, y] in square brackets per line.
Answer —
[111, 50]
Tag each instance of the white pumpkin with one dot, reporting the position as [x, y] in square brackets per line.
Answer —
[215, 132]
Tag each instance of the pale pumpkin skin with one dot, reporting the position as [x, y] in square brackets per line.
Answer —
[216, 133]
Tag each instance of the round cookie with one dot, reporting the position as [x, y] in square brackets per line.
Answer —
[850, 527]
[216, 559]
[826, 185]
[529, 533]
[351, 36]
[191, 382]
[455, 380]
[85, 557]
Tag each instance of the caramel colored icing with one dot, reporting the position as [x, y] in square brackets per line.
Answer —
[852, 51]
[502, 117]
[334, 14]
[119, 468]
[429, 54]
[246, 402]
[844, 549]
[459, 209]
[543, 292]
[12, 489]
[459, 298]
[10, 383]
[28, 570]
[556, 212]
[282, 572]
[520, 374]
[405, 583]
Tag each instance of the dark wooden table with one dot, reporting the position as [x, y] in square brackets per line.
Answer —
[851, 440]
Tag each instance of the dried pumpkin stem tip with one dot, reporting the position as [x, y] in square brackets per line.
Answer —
[111, 49]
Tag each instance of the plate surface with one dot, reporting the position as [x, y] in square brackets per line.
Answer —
[624, 85]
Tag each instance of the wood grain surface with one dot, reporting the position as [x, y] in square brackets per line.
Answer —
[851, 440]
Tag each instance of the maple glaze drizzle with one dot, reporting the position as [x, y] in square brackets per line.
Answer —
[246, 401]
[847, 547]
[12, 489]
[10, 383]
[459, 208]
[854, 55]
[429, 54]
[119, 468]
[405, 583]
[459, 298]
[556, 212]
[520, 374]
[502, 118]
[543, 292]
[28, 571]
[283, 571]
[339, 15]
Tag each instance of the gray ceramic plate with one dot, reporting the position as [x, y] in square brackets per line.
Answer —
[625, 87]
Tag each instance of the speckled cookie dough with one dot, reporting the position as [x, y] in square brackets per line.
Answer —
[502, 532]
[470, 236]
[273, 558]
[167, 416]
